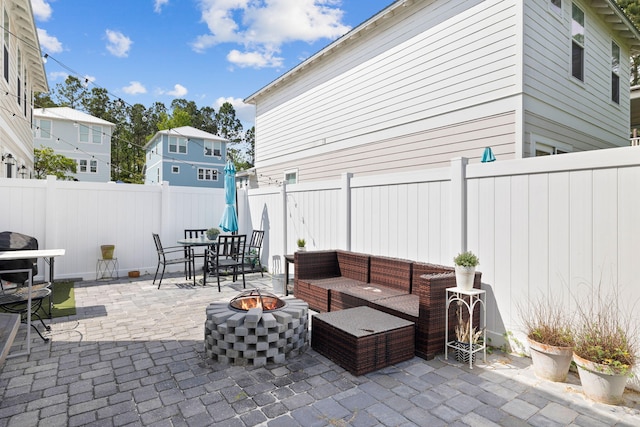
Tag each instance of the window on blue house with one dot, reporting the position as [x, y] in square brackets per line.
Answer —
[177, 145]
[206, 174]
[88, 133]
[175, 169]
[213, 148]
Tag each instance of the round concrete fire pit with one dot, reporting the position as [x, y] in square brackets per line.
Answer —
[256, 336]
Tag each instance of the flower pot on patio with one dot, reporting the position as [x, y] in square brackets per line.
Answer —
[107, 251]
[601, 383]
[550, 362]
[465, 265]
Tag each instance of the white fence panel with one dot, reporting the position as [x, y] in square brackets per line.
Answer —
[554, 227]
[80, 216]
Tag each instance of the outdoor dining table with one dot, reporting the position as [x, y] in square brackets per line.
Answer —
[49, 255]
[199, 241]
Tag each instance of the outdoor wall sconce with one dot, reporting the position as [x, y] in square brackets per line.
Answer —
[8, 158]
[23, 171]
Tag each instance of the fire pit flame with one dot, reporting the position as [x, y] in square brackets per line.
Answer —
[254, 298]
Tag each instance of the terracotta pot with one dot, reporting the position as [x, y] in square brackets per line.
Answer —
[550, 362]
[134, 274]
[601, 383]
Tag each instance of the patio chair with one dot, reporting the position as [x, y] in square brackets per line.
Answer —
[14, 299]
[192, 233]
[254, 248]
[166, 256]
[227, 256]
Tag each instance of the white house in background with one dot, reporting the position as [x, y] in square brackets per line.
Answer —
[423, 82]
[21, 74]
[186, 156]
[78, 136]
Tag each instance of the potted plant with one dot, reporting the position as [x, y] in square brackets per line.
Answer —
[213, 233]
[550, 337]
[465, 265]
[466, 338]
[301, 244]
[605, 348]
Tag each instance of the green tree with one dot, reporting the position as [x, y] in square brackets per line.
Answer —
[250, 141]
[43, 100]
[71, 93]
[46, 162]
[178, 118]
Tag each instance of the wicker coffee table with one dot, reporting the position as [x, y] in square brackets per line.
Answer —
[362, 339]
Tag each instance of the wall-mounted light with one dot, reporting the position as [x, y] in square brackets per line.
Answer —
[23, 171]
[8, 159]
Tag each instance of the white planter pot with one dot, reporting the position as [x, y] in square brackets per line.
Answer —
[464, 277]
[550, 362]
[301, 248]
[601, 383]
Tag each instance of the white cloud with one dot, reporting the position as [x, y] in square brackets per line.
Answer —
[49, 44]
[246, 113]
[262, 27]
[254, 59]
[118, 44]
[55, 75]
[41, 10]
[157, 5]
[178, 91]
[134, 88]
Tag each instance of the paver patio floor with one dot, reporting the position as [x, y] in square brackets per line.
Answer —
[133, 355]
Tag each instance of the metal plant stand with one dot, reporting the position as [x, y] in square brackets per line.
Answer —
[470, 299]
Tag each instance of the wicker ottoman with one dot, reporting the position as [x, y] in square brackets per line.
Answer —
[362, 339]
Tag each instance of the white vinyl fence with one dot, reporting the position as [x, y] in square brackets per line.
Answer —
[550, 226]
[79, 217]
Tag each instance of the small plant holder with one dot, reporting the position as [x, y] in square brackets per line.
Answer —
[462, 352]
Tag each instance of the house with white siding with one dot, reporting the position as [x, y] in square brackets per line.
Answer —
[423, 82]
[21, 74]
[76, 135]
[186, 156]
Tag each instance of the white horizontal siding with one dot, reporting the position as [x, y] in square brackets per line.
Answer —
[443, 69]
[553, 94]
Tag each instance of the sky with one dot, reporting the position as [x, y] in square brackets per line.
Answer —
[206, 51]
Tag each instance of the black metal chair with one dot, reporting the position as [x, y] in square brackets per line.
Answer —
[227, 256]
[166, 256]
[193, 233]
[254, 249]
[15, 299]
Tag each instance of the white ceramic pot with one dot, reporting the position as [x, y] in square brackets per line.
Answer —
[301, 248]
[549, 361]
[601, 383]
[464, 277]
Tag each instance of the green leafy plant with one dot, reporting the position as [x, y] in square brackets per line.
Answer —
[466, 259]
[301, 243]
[212, 233]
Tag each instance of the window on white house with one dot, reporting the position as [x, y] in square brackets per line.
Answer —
[291, 176]
[577, 42]
[177, 145]
[206, 174]
[93, 166]
[19, 77]
[43, 129]
[89, 133]
[547, 147]
[556, 6]
[213, 148]
[82, 166]
[175, 169]
[6, 45]
[615, 72]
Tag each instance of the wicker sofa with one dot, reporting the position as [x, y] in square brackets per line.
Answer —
[334, 280]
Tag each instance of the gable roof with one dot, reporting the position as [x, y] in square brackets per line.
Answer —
[67, 113]
[188, 132]
[608, 9]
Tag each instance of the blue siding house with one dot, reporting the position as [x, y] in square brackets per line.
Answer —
[186, 156]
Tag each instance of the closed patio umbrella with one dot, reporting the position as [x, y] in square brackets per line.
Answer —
[229, 220]
[488, 156]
